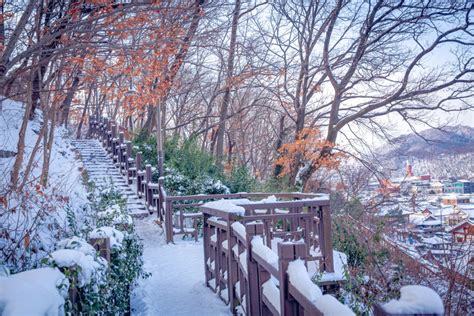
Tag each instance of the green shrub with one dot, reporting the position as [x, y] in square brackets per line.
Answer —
[191, 170]
[241, 179]
[110, 294]
[346, 242]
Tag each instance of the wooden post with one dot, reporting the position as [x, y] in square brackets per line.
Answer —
[206, 239]
[120, 159]
[128, 150]
[169, 221]
[325, 238]
[102, 245]
[232, 267]
[253, 291]
[129, 163]
[113, 135]
[138, 165]
[288, 252]
[263, 276]
[161, 184]
[145, 186]
[121, 138]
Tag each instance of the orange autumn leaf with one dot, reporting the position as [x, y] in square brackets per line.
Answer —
[307, 148]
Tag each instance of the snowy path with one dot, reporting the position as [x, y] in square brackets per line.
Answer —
[176, 286]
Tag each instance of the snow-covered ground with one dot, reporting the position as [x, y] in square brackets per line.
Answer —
[33, 220]
[176, 286]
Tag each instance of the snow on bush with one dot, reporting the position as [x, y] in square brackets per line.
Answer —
[77, 243]
[116, 237]
[416, 299]
[179, 184]
[37, 292]
[115, 215]
[91, 270]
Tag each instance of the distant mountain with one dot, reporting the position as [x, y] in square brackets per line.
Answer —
[431, 143]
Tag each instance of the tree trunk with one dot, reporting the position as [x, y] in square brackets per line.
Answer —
[228, 84]
[29, 166]
[159, 141]
[20, 151]
[48, 141]
[64, 110]
[278, 143]
[170, 77]
[81, 122]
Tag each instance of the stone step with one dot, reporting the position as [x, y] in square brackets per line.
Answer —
[103, 172]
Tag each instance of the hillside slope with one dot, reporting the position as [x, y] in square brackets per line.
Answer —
[32, 220]
[451, 140]
[447, 153]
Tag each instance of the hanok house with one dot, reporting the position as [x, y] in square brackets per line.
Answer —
[463, 232]
[450, 199]
[434, 247]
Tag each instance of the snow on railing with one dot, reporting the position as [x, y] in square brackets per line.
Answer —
[243, 270]
[254, 279]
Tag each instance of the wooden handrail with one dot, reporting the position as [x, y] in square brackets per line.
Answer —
[308, 219]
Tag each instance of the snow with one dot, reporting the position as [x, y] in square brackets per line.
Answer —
[271, 292]
[116, 215]
[416, 299]
[431, 223]
[116, 237]
[77, 243]
[243, 260]
[300, 279]
[237, 289]
[176, 285]
[239, 229]
[89, 269]
[38, 292]
[216, 219]
[42, 215]
[340, 262]
[270, 199]
[228, 206]
[235, 250]
[264, 252]
[329, 305]
[434, 240]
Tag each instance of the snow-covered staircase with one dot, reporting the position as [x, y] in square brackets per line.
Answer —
[102, 171]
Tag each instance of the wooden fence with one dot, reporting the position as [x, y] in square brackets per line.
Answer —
[174, 211]
[247, 254]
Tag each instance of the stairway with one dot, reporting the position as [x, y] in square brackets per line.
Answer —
[103, 172]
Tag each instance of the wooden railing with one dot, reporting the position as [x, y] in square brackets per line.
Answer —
[179, 213]
[247, 254]
[238, 272]
[257, 277]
